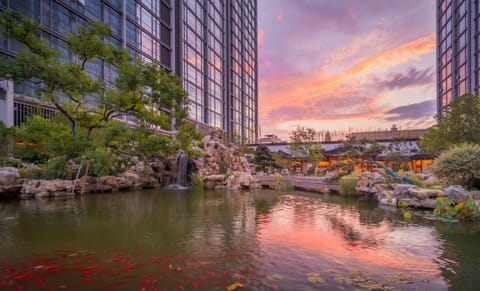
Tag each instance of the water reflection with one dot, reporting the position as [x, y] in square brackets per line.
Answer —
[262, 239]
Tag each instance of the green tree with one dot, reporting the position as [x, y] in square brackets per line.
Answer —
[303, 144]
[457, 124]
[143, 90]
[91, 106]
[263, 157]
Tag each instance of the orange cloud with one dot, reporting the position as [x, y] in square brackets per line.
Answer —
[302, 89]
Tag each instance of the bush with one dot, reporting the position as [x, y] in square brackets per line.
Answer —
[33, 172]
[459, 165]
[348, 185]
[58, 168]
[197, 183]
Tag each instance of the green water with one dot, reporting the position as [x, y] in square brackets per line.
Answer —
[178, 240]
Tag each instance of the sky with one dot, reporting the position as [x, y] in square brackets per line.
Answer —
[345, 65]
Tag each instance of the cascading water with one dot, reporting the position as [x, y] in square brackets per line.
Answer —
[182, 169]
[181, 176]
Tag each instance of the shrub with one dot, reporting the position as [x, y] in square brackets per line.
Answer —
[101, 162]
[58, 168]
[197, 183]
[33, 172]
[282, 186]
[459, 165]
[348, 185]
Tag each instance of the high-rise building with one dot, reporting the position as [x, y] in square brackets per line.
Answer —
[210, 44]
[219, 64]
[458, 49]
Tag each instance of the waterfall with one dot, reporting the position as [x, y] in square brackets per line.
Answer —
[182, 169]
[180, 181]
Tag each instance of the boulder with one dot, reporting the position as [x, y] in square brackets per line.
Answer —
[45, 188]
[425, 193]
[457, 193]
[402, 189]
[9, 176]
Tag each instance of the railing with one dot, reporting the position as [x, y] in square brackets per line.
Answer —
[25, 108]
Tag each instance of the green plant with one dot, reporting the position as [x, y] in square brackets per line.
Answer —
[33, 172]
[197, 183]
[445, 207]
[459, 165]
[58, 168]
[348, 185]
[101, 162]
[282, 186]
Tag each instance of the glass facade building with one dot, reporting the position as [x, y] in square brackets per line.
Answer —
[210, 44]
[458, 49]
[219, 64]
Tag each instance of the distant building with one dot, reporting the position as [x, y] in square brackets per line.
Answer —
[402, 142]
[393, 134]
[269, 139]
[458, 49]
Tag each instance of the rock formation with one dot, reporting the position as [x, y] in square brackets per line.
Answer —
[222, 167]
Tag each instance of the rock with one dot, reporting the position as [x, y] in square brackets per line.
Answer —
[425, 193]
[402, 189]
[388, 201]
[45, 188]
[457, 193]
[215, 178]
[429, 203]
[7, 178]
[11, 170]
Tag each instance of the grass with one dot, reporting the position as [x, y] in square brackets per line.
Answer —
[348, 185]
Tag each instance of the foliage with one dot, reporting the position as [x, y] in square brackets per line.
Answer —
[41, 139]
[57, 168]
[86, 126]
[346, 168]
[353, 148]
[36, 172]
[187, 134]
[348, 185]
[282, 186]
[458, 124]
[445, 207]
[5, 139]
[101, 162]
[459, 165]
[197, 183]
[303, 144]
[264, 158]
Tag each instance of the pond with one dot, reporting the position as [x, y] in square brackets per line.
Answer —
[263, 240]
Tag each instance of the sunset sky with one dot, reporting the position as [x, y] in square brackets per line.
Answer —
[346, 64]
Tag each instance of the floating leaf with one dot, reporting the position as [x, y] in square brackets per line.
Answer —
[234, 286]
[274, 277]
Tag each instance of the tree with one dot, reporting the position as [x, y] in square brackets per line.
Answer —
[457, 124]
[143, 90]
[91, 106]
[303, 144]
[353, 148]
[264, 158]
